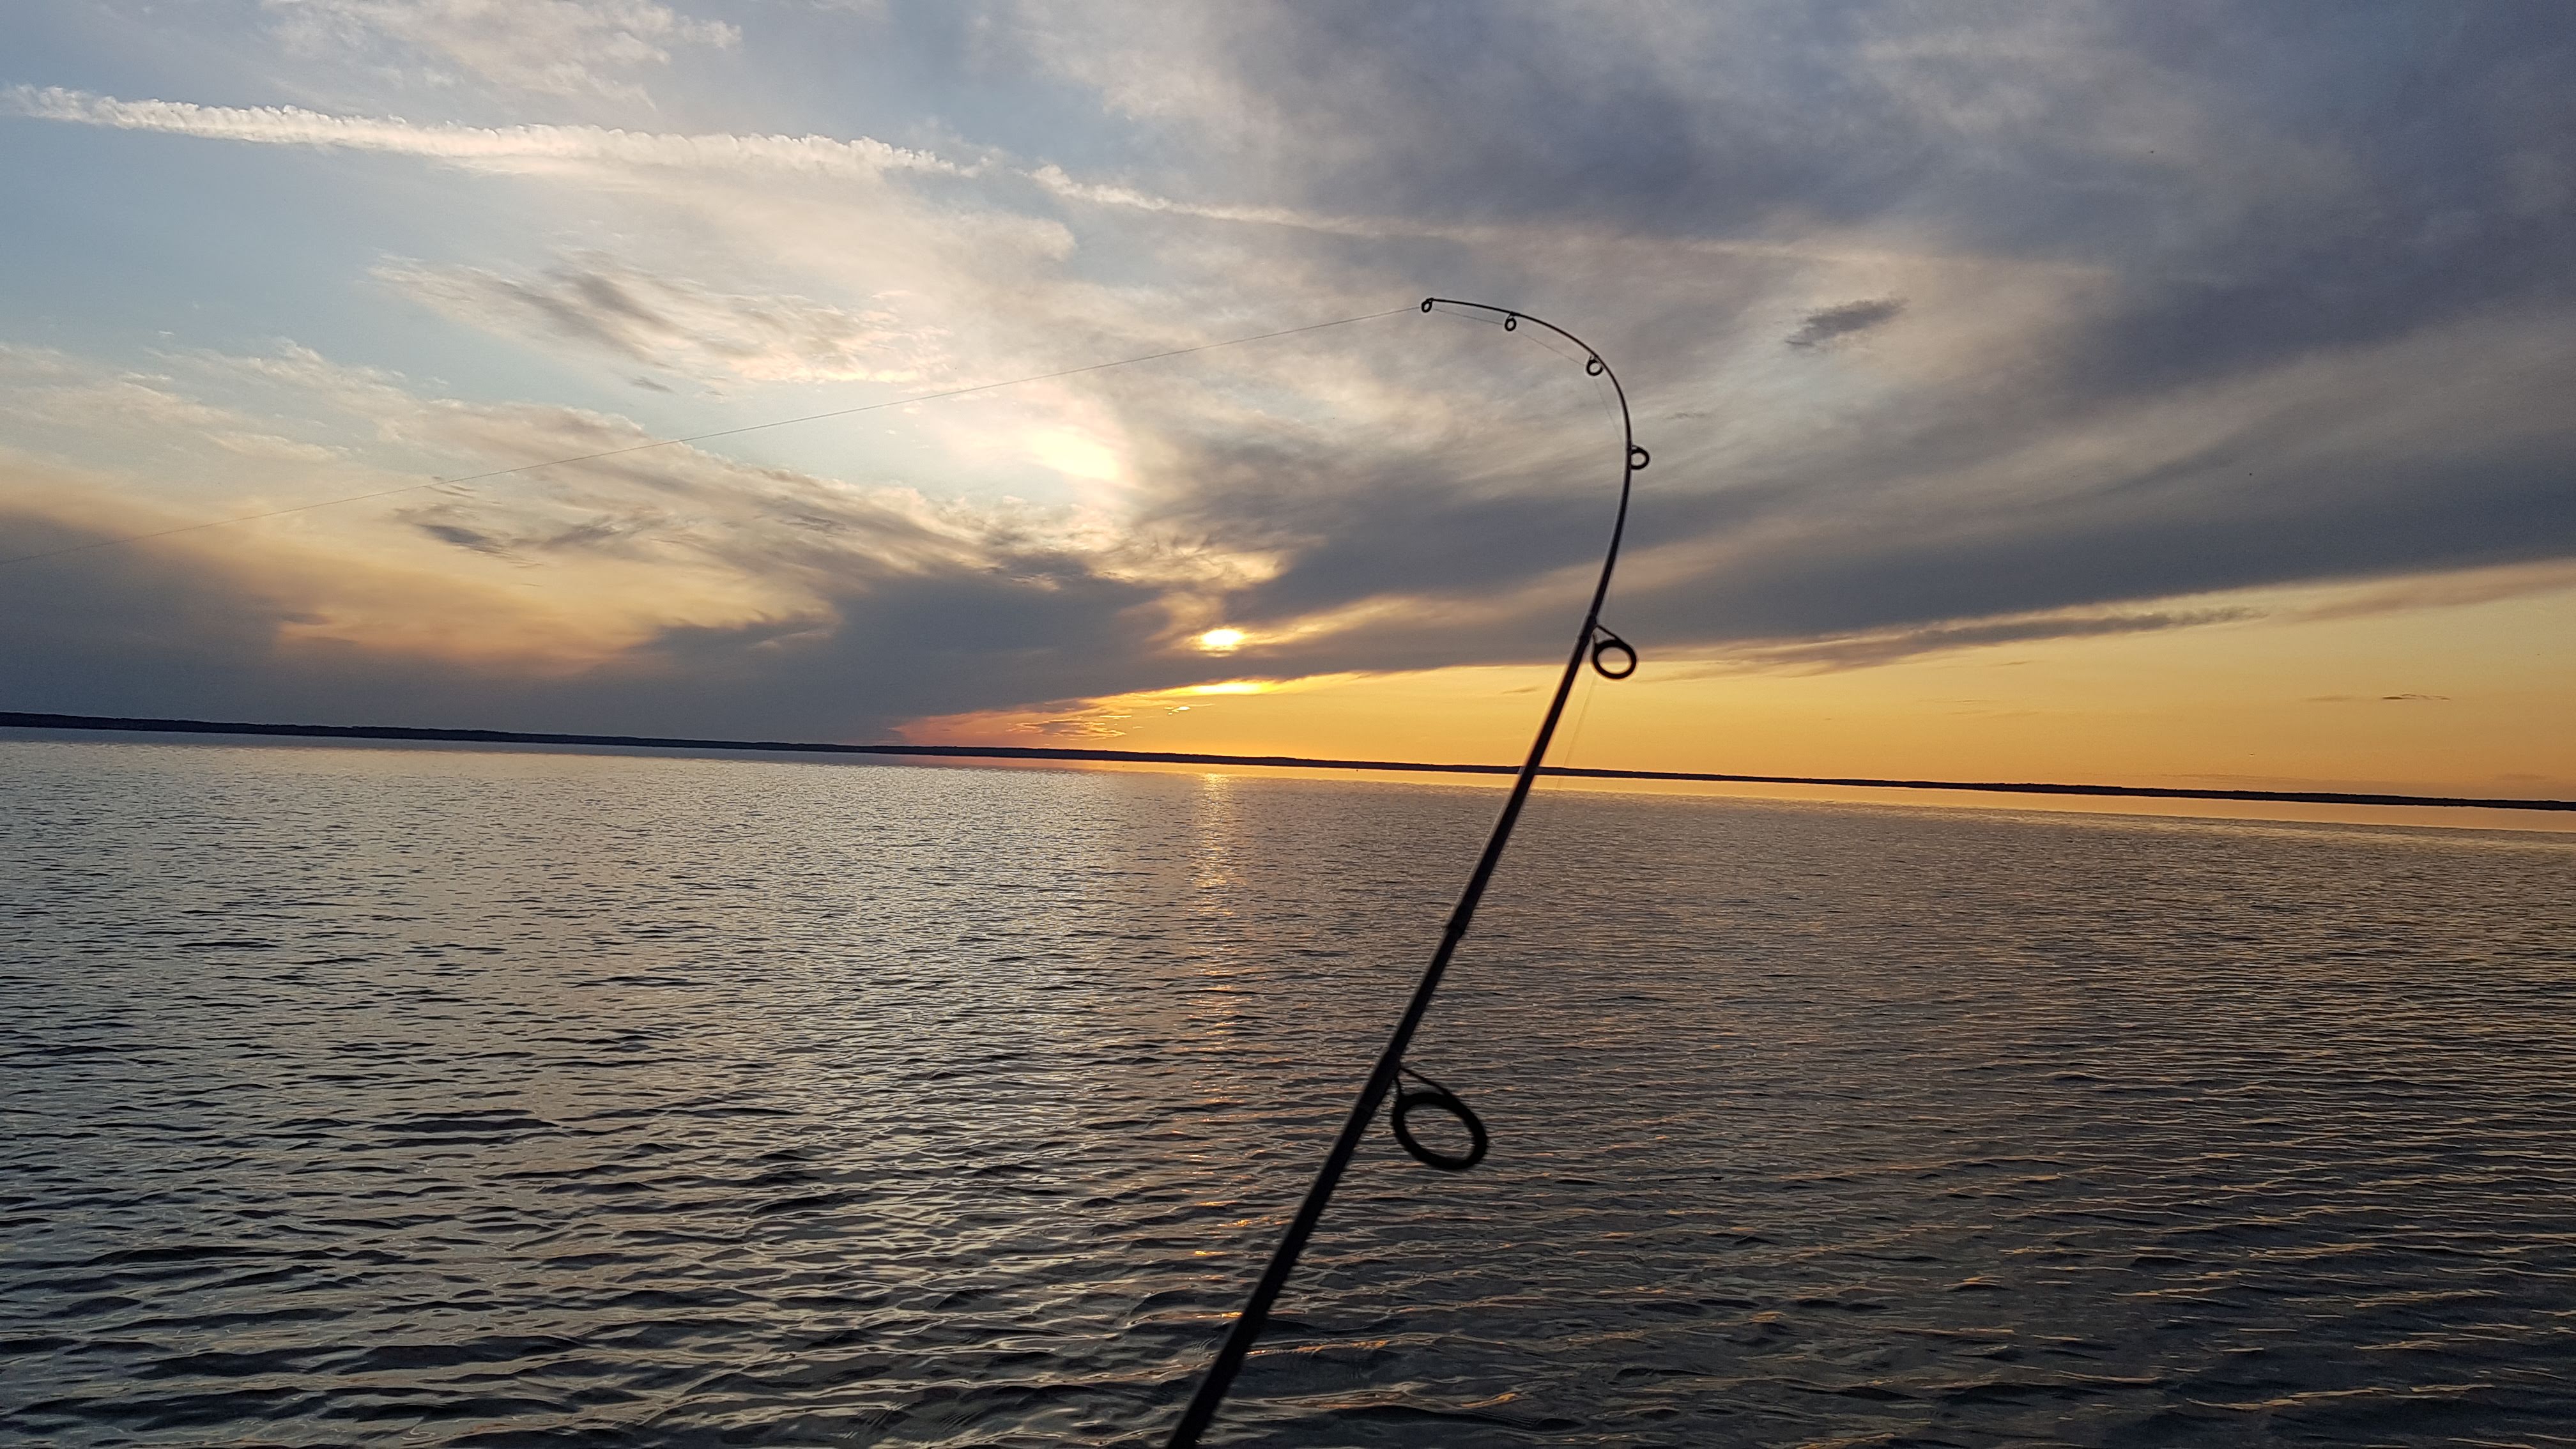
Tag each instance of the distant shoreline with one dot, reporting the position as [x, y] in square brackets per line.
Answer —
[10, 719]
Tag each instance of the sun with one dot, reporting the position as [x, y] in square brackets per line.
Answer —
[1221, 641]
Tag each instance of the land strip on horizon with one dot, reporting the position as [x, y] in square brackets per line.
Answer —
[12, 719]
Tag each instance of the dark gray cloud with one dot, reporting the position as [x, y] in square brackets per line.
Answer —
[465, 538]
[599, 534]
[2260, 181]
[182, 636]
[2299, 285]
[1955, 508]
[1827, 323]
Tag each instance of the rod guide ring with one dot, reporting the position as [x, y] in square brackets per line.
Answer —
[1605, 642]
[1432, 1094]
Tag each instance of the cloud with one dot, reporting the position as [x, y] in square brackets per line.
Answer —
[1341, 548]
[878, 617]
[2192, 300]
[464, 537]
[44, 392]
[528, 149]
[1862, 651]
[672, 590]
[555, 47]
[2226, 168]
[554, 150]
[637, 316]
[2446, 591]
[1080, 728]
[1827, 323]
[538, 149]
[193, 634]
[1945, 516]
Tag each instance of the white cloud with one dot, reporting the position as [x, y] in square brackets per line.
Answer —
[523, 149]
[51, 392]
[558, 47]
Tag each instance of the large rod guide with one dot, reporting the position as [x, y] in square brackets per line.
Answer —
[1607, 653]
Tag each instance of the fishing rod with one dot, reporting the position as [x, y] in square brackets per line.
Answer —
[1613, 658]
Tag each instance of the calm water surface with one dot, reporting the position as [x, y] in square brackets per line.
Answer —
[448, 1098]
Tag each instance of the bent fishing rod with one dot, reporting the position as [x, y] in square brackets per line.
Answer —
[1612, 658]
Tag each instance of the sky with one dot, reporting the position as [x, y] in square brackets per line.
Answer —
[2162, 393]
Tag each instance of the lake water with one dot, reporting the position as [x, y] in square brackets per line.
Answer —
[495, 1099]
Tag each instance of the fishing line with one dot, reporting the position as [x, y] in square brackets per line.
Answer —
[1574, 735]
[1612, 658]
[699, 437]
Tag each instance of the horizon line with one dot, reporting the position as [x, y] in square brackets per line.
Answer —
[14, 719]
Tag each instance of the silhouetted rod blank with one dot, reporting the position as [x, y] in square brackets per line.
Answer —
[1613, 658]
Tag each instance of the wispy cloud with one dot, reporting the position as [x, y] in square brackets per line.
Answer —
[672, 324]
[509, 148]
[556, 47]
[2448, 590]
[1862, 651]
[555, 149]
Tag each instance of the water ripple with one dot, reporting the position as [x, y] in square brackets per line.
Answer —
[489, 1099]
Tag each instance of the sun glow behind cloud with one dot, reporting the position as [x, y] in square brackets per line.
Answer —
[2332, 688]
